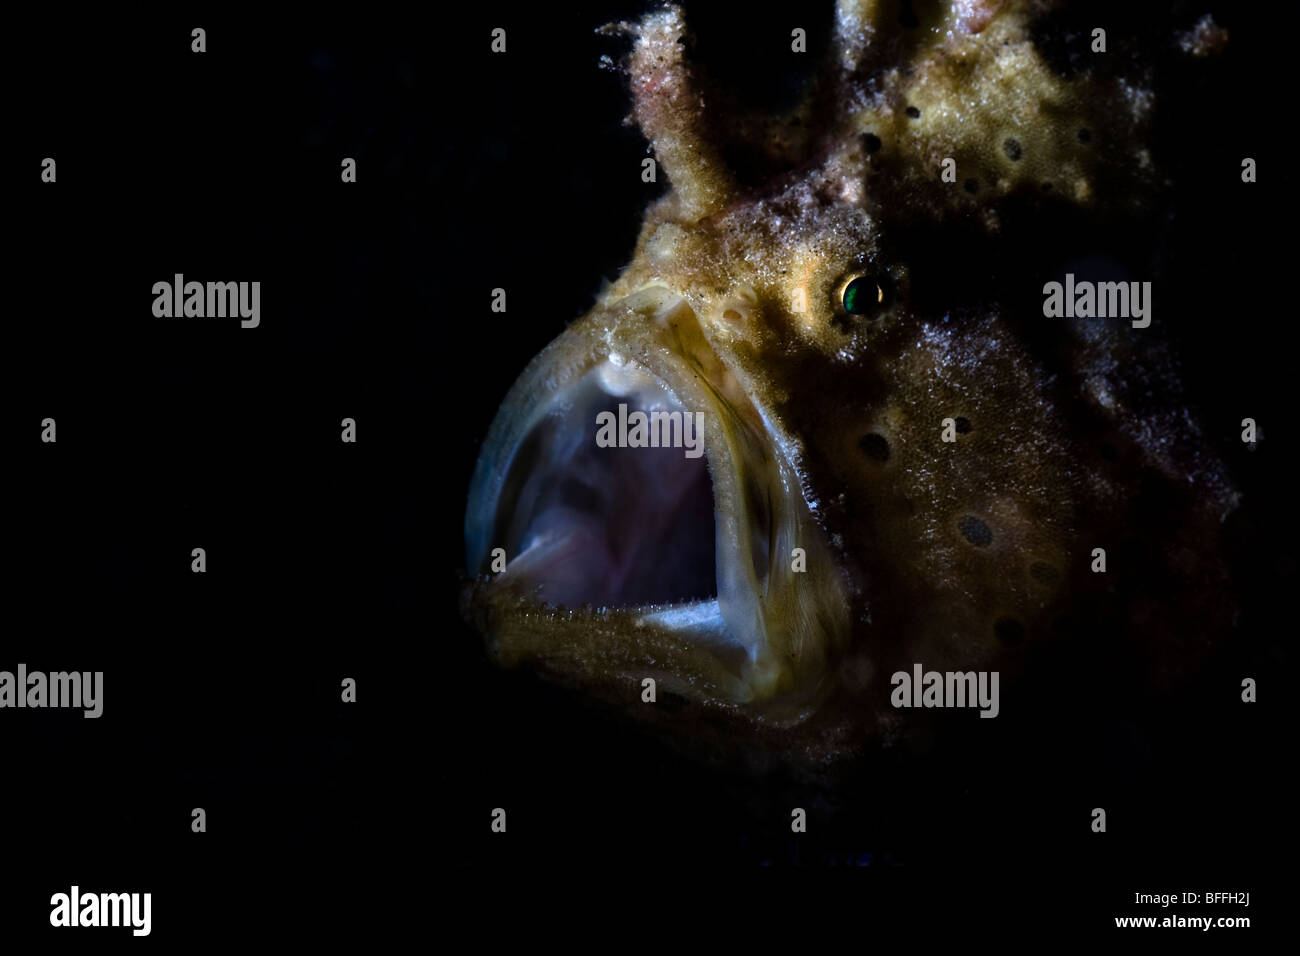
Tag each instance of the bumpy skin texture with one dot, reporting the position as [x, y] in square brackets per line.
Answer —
[962, 555]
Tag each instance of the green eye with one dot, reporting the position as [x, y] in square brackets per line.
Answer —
[867, 295]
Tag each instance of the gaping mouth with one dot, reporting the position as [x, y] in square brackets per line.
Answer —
[648, 504]
[614, 526]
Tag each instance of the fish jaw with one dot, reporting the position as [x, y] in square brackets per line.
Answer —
[764, 642]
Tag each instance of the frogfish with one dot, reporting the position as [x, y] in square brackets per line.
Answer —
[824, 427]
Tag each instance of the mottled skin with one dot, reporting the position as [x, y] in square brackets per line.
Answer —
[957, 555]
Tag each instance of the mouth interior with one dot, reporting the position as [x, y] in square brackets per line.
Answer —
[611, 526]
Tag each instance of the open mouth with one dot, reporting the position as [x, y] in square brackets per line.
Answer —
[611, 526]
[615, 490]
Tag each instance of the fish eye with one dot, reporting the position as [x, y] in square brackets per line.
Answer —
[867, 294]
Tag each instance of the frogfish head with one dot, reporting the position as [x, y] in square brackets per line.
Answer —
[764, 472]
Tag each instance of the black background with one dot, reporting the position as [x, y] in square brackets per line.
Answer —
[328, 560]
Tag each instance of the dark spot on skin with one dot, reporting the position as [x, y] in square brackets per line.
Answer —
[875, 447]
[972, 186]
[1108, 452]
[1085, 135]
[1043, 573]
[1047, 187]
[1012, 148]
[1009, 631]
[907, 16]
[913, 112]
[871, 142]
[975, 531]
[963, 425]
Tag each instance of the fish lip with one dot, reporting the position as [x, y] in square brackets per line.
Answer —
[745, 462]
